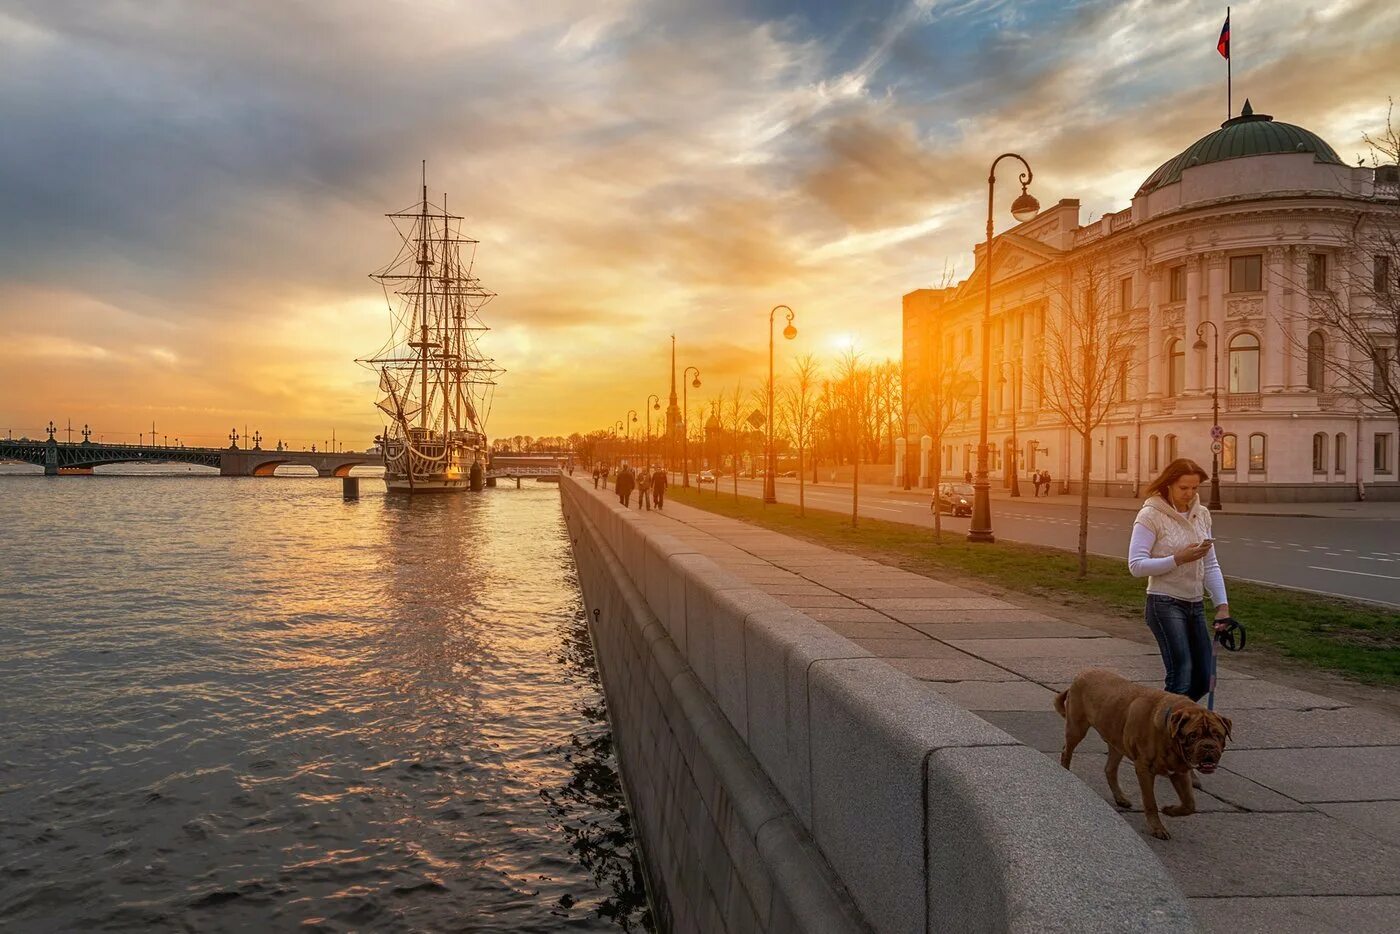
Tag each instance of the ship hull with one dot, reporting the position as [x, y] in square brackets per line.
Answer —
[426, 484]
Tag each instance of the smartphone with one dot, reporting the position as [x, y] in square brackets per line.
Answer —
[1207, 541]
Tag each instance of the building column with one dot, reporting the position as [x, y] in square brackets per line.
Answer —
[1296, 274]
[1156, 364]
[1215, 312]
[1191, 319]
[1275, 349]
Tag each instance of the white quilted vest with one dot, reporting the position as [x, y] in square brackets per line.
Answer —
[1174, 531]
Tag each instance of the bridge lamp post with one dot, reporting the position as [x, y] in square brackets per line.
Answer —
[51, 429]
[1214, 505]
[770, 489]
[1023, 209]
[651, 406]
[87, 435]
[233, 439]
[685, 426]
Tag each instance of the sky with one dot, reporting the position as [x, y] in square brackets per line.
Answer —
[192, 194]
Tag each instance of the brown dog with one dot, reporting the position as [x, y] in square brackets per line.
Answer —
[1163, 734]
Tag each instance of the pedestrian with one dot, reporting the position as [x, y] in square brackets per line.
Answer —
[595, 476]
[644, 489]
[967, 476]
[1172, 547]
[1045, 478]
[606, 470]
[658, 487]
[624, 485]
[1039, 479]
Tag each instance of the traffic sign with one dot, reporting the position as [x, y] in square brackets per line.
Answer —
[1216, 447]
[1216, 432]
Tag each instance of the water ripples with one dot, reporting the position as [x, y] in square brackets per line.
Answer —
[247, 705]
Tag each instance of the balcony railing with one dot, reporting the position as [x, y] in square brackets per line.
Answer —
[1242, 402]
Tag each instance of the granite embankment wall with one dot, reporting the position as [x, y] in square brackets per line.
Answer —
[781, 779]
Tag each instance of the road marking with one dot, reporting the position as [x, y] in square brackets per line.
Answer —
[1331, 554]
[1389, 577]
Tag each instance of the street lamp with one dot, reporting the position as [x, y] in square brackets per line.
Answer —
[1023, 209]
[1214, 505]
[631, 420]
[1015, 366]
[685, 427]
[651, 407]
[770, 489]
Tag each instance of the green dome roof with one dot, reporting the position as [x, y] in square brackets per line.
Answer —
[1249, 134]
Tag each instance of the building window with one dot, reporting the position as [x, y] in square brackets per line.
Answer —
[1121, 388]
[1176, 356]
[1121, 444]
[1257, 451]
[1171, 448]
[1176, 284]
[1316, 359]
[1319, 453]
[1380, 377]
[1382, 454]
[1227, 453]
[1244, 363]
[1339, 455]
[1125, 294]
[1380, 275]
[1153, 464]
[1317, 271]
[1246, 273]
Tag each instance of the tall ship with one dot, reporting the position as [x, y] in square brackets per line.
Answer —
[435, 384]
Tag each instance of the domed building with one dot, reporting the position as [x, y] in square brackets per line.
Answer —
[1226, 277]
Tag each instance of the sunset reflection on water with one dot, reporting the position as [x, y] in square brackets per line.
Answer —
[245, 703]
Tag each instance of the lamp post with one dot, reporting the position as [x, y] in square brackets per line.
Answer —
[650, 407]
[617, 456]
[1214, 505]
[1023, 209]
[770, 489]
[685, 427]
[1015, 453]
[631, 420]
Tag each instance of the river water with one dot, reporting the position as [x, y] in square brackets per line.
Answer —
[246, 705]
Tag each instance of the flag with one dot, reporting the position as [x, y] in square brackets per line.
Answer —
[1223, 46]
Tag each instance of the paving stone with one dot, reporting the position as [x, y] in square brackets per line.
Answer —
[874, 630]
[1316, 914]
[1281, 728]
[1004, 630]
[951, 669]
[914, 589]
[1256, 693]
[919, 647]
[1005, 614]
[1061, 671]
[1275, 855]
[804, 600]
[991, 695]
[1380, 819]
[1355, 773]
[1245, 794]
[1040, 729]
[1079, 649]
[845, 614]
[896, 607]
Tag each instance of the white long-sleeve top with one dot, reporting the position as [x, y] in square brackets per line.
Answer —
[1158, 533]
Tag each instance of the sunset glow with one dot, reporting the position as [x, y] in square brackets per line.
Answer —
[193, 203]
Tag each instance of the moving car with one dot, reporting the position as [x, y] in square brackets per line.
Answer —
[953, 497]
[705, 476]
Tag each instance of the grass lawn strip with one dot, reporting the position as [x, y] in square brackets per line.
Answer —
[1357, 640]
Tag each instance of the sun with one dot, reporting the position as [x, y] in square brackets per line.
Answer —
[842, 341]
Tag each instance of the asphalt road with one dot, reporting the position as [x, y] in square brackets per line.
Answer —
[1346, 557]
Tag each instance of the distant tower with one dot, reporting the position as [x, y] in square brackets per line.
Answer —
[674, 416]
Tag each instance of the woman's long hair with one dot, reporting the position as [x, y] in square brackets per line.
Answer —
[1174, 472]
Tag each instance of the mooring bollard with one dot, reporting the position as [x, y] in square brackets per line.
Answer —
[350, 487]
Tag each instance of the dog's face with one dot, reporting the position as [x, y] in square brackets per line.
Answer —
[1201, 734]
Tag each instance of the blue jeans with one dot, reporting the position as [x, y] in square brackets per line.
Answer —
[1184, 641]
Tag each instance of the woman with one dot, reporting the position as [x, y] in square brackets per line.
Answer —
[1172, 547]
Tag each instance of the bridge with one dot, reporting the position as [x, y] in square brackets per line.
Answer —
[81, 457]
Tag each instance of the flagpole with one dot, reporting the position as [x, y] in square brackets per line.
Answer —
[1229, 72]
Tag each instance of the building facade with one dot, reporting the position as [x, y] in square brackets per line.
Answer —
[1216, 274]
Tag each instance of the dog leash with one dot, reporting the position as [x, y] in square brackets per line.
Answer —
[1230, 635]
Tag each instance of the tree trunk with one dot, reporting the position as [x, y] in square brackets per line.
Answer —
[801, 485]
[1084, 465]
[937, 513]
[855, 493]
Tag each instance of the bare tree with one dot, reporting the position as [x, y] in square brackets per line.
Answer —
[944, 396]
[855, 395]
[730, 419]
[1353, 344]
[1084, 353]
[798, 413]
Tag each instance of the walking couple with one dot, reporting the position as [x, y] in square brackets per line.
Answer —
[650, 485]
[1041, 478]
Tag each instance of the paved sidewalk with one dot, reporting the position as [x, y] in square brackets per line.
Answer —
[1296, 832]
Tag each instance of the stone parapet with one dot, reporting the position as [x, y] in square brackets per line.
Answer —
[785, 779]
